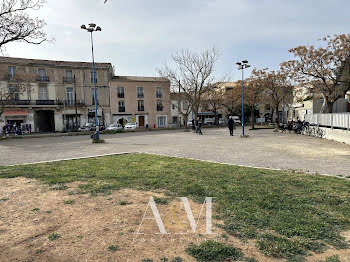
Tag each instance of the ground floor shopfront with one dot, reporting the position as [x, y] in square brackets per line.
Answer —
[51, 119]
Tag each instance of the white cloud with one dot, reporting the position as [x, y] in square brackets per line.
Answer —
[138, 35]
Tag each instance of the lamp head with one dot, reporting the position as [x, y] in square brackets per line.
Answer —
[92, 25]
[83, 27]
[239, 63]
[98, 28]
[245, 61]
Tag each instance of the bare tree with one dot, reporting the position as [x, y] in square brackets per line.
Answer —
[17, 26]
[213, 100]
[13, 86]
[254, 88]
[194, 70]
[278, 89]
[326, 67]
[233, 97]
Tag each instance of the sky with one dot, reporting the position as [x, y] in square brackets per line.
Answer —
[139, 36]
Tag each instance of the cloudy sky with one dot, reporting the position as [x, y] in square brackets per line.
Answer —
[139, 35]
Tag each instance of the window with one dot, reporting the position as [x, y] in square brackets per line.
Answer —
[121, 106]
[13, 93]
[140, 93]
[11, 71]
[70, 96]
[69, 76]
[173, 106]
[93, 95]
[140, 105]
[159, 105]
[41, 74]
[43, 93]
[185, 105]
[161, 121]
[92, 77]
[159, 92]
[120, 91]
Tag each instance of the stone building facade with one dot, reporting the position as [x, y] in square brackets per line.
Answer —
[60, 94]
[142, 100]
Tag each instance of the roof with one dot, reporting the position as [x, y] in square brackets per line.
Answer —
[54, 63]
[140, 79]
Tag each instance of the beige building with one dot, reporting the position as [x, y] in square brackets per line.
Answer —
[59, 93]
[142, 100]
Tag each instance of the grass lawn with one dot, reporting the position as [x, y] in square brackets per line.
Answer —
[289, 214]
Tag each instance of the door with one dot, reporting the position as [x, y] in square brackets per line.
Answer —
[141, 121]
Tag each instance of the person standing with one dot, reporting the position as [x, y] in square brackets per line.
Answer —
[231, 124]
[200, 127]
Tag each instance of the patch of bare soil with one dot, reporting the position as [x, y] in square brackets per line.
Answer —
[31, 212]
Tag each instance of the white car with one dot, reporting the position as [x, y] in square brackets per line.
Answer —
[189, 123]
[129, 126]
[236, 119]
[209, 121]
[115, 127]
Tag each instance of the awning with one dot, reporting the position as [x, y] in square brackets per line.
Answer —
[15, 113]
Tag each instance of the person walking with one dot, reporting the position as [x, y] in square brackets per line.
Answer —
[200, 127]
[231, 125]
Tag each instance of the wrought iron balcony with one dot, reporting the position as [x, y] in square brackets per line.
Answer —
[45, 102]
[68, 80]
[42, 78]
[14, 102]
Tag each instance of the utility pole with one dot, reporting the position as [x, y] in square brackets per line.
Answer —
[179, 105]
[75, 105]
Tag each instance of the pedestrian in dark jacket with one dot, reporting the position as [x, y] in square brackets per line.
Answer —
[231, 125]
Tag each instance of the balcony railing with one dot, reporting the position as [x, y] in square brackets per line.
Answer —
[120, 95]
[121, 109]
[141, 108]
[140, 95]
[42, 78]
[68, 80]
[69, 103]
[14, 102]
[66, 103]
[159, 108]
[45, 102]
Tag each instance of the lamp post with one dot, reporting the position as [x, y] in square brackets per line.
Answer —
[241, 66]
[93, 28]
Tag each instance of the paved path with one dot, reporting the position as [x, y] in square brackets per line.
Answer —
[264, 148]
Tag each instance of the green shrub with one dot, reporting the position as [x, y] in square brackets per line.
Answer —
[213, 251]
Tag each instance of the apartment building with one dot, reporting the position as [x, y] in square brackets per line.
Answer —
[142, 100]
[59, 95]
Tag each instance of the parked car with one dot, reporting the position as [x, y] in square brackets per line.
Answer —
[90, 127]
[236, 119]
[209, 121]
[115, 127]
[87, 127]
[189, 123]
[222, 121]
[130, 126]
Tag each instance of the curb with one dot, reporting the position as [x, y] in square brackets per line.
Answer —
[73, 158]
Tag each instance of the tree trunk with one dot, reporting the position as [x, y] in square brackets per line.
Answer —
[277, 114]
[327, 106]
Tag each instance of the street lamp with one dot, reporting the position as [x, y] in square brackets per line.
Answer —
[241, 66]
[93, 28]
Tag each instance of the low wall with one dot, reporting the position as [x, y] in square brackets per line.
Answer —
[342, 136]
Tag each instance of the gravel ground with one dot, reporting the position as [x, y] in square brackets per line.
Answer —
[263, 148]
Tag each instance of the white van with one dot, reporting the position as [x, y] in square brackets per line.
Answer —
[236, 119]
